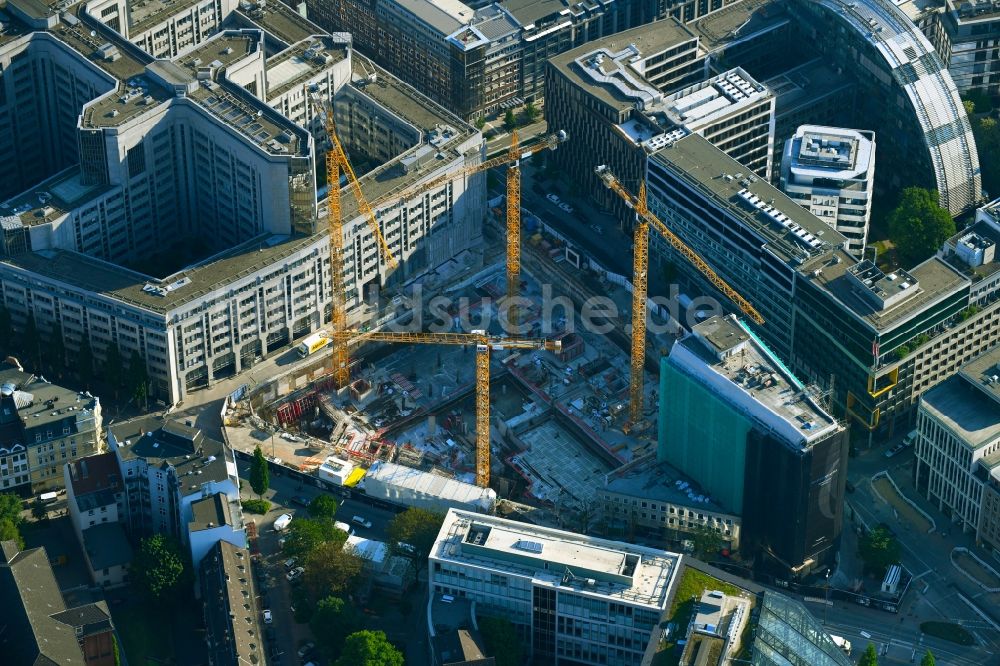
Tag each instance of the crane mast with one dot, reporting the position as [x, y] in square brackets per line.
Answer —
[513, 231]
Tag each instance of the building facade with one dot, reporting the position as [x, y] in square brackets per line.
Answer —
[42, 427]
[831, 172]
[572, 598]
[232, 617]
[958, 446]
[758, 442]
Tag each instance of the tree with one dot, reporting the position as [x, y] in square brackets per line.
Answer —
[418, 528]
[531, 112]
[331, 570]
[332, 622]
[9, 532]
[970, 106]
[870, 657]
[260, 476]
[879, 549]
[480, 123]
[10, 508]
[138, 378]
[369, 648]
[928, 659]
[158, 569]
[509, 120]
[501, 640]
[39, 510]
[987, 134]
[323, 506]
[919, 226]
[304, 535]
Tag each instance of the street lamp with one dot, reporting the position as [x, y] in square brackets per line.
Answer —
[827, 599]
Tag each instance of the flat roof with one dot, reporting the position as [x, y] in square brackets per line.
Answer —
[260, 254]
[210, 512]
[968, 412]
[528, 12]
[445, 16]
[429, 484]
[737, 20]
[142, 17]
[580, 564]
[982, 372]
[281, 21]
[649, 39]
[935, 277]
[52, 198]
[803, 85]
[986, 231]
[755, 382]
[819, 151]
[106, 545]
[722, 95]
[648, 478]
[301, 61]
[695, 160]
[65, 405]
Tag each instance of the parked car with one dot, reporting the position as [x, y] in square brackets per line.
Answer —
[295, 574]
[282, 522]
[406, 548]
[301, 500]
[566, 208]
[362, 521]
[553, 198]
[597, 229]
[896, 449]
[306, 649]
[267, 616]
[290, 563]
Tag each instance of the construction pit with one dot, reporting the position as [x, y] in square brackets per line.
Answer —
[559, 420]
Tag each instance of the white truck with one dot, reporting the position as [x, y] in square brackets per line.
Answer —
[842, 643]
[313, 344]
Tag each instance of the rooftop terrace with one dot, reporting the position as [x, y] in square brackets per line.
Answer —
[586, 565]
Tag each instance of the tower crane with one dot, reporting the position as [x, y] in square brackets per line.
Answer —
[485, 344]
[336, 159]
[640, 278]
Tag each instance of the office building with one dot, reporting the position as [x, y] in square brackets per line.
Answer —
[957, 445]
[650, 497]
[831, 172]
[42, 427]
[757, 441]
[480, 61]
[884, 338]
[95, 495]
[189, 218]
[163, 29]
[232, 616]
[905, 94]
[168, 470]
[39, 627]
[572, 598]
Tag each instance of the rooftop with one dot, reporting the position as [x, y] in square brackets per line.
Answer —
[182, 287]
[983, 372]
[147, 14]
[732, 362]
[529, 12]
[658, 481]
[973, 250]
[445, 16]
[49, 200]
[231, 616]
[428, 484]
[934, 278]
[41, 405]
[582, 564]
[804, 85]
[210, 512]
[300, 62]
[279, 20]
[106, 546]
[738, 20]
[831, 152]
[648, 40]
[702, 104]
[788, 230]
[973, 11]
[970, 413]
[95, 480]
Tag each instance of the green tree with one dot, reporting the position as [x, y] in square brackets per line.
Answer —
[306, 534]
[418, 528]
[323, 506]
[879, 549]
[85, 362]
[918, 226]
[158, 569]
[928, 659]
[114, 368]
[332, 622]
[10, 507]
[138, 378]
[531, 112]
[707, 542]
[870, 657]
[480, 123]
[118, 657]
[9, 532]
[501, 640]
[369, 648]
[509, 120]
[38, 510]
[987, 134]
[260, 476]
[970, 106]
[331, 570]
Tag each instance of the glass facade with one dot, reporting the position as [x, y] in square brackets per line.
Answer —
[788, 634]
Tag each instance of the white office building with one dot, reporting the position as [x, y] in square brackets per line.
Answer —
[831, 172]
[574, 599]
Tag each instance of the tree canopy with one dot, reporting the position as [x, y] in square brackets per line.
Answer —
[870, 657]
[928, 659]
[416, 527]
[331, 570]
[332, 622]
[323, 506]
[987, 134]
[10, 518]
[879, 549]
[919, 226]
[369, 648]
[260, 475]
[501, 640]
[306, 534]
[158, 569]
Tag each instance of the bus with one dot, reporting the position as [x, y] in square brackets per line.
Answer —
[313, 344]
